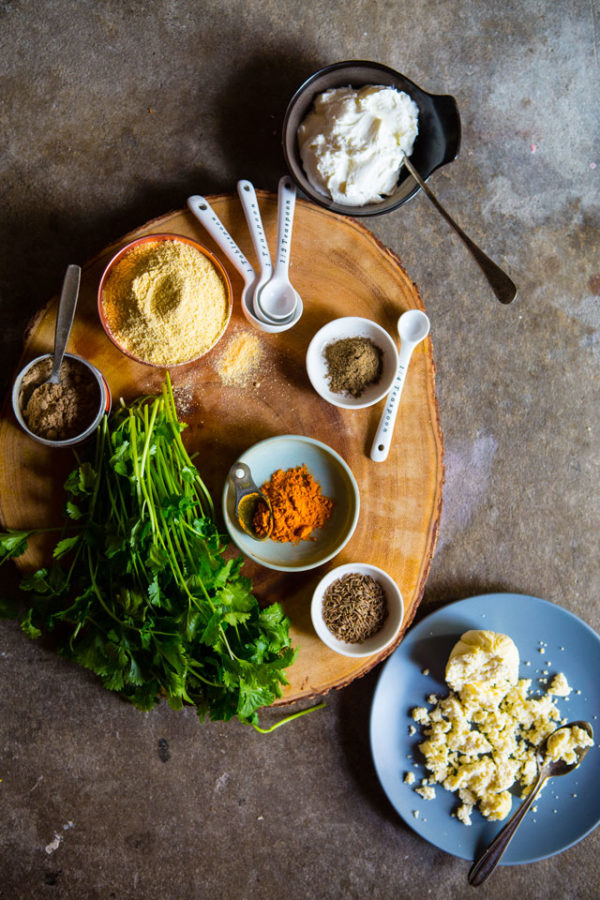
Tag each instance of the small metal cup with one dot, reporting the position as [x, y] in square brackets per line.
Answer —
[104, 402]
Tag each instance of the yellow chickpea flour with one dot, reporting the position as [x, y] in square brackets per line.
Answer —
[240, 359]
[165, 302]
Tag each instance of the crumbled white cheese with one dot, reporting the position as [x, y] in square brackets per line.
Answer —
[427, 792]
[559, 686]
[409, 778]
[420, 714]
[564, 743]
[481, 739]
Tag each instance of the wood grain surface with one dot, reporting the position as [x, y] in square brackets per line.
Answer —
[339, 269]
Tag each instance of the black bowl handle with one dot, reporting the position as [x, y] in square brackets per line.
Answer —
[446, 108]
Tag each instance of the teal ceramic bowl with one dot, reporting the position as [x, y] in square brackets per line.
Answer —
[336, 480]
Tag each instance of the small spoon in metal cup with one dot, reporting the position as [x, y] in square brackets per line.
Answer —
[503, 287]
[64, 319]
[413, 327]
[278, 299]
[248, 501]
[489, 859]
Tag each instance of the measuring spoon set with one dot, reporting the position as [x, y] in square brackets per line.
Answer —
[272, 304]
[269, 301]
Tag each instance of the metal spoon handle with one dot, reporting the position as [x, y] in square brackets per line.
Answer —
[251, 209]
[503, 286]
[383, 436]
[286, 202]
[208, 217]
[64, 317]
[489, 859]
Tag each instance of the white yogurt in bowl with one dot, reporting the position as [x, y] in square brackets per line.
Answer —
[353, 142]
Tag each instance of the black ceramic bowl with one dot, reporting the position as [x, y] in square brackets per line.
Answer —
[437, 143]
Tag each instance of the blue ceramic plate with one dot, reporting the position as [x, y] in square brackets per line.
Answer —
[569, 807]
[336, 480]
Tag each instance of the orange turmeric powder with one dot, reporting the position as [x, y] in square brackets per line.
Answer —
[298, 505]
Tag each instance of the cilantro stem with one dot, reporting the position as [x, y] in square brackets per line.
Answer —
[287, 719]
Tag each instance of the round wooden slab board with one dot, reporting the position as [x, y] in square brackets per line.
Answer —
[339, 269]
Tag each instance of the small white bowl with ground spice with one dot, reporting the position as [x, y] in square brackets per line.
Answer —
[164, 300]
[63, 414]
[357, 609]
[352, 362]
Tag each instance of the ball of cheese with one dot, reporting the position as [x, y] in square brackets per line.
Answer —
[484, 658]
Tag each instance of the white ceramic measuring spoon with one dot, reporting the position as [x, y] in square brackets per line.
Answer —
[203, 211]
[413, 327]
[249, 203]
[278, 299]
[205, 214]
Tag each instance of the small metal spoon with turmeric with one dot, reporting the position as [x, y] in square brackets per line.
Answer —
[252, 508]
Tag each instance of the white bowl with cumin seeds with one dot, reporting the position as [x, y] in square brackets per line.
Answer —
[392, 623]
[147, 305]
[317, 366]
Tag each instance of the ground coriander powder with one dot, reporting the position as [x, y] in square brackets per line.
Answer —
[353, 364]
[59, 412]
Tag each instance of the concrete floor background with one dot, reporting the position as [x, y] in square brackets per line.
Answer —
[112, 113]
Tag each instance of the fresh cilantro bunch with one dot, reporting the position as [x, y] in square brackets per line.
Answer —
[140, 591]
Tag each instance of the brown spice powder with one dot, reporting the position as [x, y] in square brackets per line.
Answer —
[352, 365]
[59, 412]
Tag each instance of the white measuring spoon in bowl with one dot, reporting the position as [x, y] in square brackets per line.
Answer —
[202, 210]
[278, 299]
[249, 203]
[413, 327]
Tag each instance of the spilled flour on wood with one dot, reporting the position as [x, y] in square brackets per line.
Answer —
[468, 470]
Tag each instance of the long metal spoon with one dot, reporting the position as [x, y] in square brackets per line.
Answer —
[64, 319]
[489, 859]
[503, 286]
[413, 327]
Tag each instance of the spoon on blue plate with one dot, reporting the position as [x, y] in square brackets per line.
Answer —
[489, 859]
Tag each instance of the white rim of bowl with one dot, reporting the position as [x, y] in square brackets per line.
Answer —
[327, 637]
[391, 349]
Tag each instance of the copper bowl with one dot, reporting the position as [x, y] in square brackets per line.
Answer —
[157, 238]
